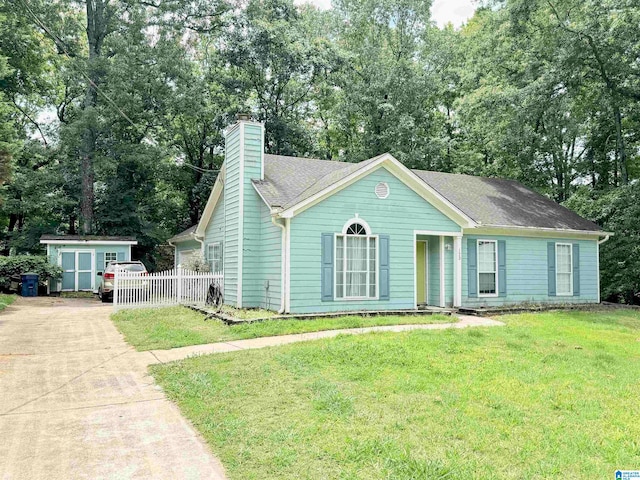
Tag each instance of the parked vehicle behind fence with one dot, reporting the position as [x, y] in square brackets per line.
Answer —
[105, 290]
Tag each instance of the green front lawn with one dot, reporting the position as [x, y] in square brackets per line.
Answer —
[551, 395]
[6, 300]
[163, 328]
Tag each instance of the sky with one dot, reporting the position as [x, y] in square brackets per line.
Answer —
[443, 11]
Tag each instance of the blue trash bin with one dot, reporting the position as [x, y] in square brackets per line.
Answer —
[29, 284]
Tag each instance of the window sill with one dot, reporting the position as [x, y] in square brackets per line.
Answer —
[355, 299]
[488, 295]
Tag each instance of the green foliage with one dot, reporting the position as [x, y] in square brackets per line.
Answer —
[547, 93]
[617, 210]
[19, 264]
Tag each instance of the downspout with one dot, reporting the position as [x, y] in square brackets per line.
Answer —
[600, 242]
[201, 242]
[283, 264]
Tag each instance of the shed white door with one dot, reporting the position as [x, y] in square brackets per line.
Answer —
[77, 270]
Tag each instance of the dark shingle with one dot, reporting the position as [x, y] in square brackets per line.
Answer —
[502, 202]
[185, 235]
[87, 238]
[488, 201]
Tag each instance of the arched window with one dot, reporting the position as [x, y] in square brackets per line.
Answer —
[356, 229]
[356, 262]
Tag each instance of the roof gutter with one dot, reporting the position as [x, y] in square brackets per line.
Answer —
[606, 237]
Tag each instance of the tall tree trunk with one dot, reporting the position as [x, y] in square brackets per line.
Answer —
[96, 32]
[622, 151]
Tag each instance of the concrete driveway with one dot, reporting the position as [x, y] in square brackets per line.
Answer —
[76, 401]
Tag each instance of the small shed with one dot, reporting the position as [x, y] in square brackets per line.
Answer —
[82, 257]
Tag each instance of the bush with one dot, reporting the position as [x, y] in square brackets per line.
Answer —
[196, 263]
[19, 264]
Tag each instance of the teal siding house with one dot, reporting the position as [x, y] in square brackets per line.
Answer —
[82, 257]
[300, 235]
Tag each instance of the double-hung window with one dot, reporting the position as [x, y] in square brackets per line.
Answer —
[564, 269]
[356, 263]
[214, 256]
[487, 268]
[109, 257]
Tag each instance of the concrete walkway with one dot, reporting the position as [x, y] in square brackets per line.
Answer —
[155, 356]
[76, 401]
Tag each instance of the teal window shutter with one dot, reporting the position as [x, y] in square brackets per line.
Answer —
[327, 267]
[384, 290]
[576, 270]
[551, 265]
[100, 262]
[472, 267]
[502, 268]
[121, 256]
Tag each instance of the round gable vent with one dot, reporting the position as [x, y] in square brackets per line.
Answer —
[382, 190]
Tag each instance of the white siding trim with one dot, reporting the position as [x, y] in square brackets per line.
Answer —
[598, 269]
[262, 152]
[212, 201]
[457, 271]
[288, 265]
[89, 242]
[442, 274]
[415, 272]
[241, 217]
[535, 232]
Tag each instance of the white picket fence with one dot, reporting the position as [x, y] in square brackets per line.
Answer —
[162, 289]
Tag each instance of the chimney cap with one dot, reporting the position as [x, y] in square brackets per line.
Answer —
[246, 117]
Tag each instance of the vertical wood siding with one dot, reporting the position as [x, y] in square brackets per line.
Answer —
[253, 287]
[232, 213]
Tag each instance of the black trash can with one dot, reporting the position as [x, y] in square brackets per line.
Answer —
[29, 285]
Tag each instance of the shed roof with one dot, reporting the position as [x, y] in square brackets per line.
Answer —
[87, 238]
[488, 201]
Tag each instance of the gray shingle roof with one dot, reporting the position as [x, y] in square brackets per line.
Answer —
[502, 202]
[185, 235]
[488, 201]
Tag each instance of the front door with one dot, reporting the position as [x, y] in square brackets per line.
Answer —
[422, 285]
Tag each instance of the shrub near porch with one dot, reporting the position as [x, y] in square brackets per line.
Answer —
[550, 395]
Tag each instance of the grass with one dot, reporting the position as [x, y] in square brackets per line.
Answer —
[78, 295]
[551, 395]
[247, 313]
[6, 300]
[163, 328]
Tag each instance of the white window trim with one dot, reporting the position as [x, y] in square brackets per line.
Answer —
[210, 249]
[344, 273]
[495, 247]
[353, 220]
[570, 293]
[106, 264]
